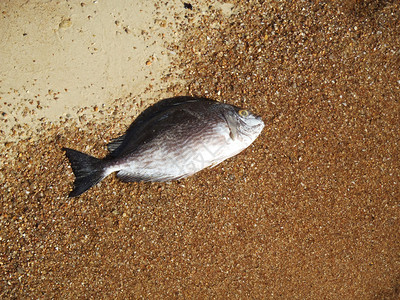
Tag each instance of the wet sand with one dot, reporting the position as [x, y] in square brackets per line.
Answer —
[309, 211]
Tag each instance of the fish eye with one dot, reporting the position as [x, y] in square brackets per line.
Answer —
[243, 113]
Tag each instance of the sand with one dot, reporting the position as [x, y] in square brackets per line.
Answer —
[309, 211]
[78, 55]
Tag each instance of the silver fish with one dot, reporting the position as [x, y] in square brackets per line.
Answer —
[172, 139]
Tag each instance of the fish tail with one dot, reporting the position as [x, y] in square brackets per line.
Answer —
[87, 169]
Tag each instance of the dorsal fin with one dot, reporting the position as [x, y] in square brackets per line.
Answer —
[115, 143]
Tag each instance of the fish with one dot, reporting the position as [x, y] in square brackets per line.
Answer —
[170, 140]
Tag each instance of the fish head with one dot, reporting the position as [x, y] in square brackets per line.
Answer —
[243, 124]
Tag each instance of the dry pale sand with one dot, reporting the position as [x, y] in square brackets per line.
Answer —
[60, 58]
[309, 211]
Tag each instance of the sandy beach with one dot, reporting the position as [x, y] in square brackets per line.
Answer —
[309, 211]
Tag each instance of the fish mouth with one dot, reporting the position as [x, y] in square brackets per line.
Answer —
[260, 126]
[260, 122]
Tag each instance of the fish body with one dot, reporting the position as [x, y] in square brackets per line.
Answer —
[170, 140]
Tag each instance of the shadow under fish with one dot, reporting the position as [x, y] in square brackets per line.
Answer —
[170, 140]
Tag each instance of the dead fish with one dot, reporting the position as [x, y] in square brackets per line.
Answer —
[170, 140]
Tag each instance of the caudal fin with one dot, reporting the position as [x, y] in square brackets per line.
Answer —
[87, 169]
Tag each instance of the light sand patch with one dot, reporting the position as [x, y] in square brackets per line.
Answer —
[59, 57]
